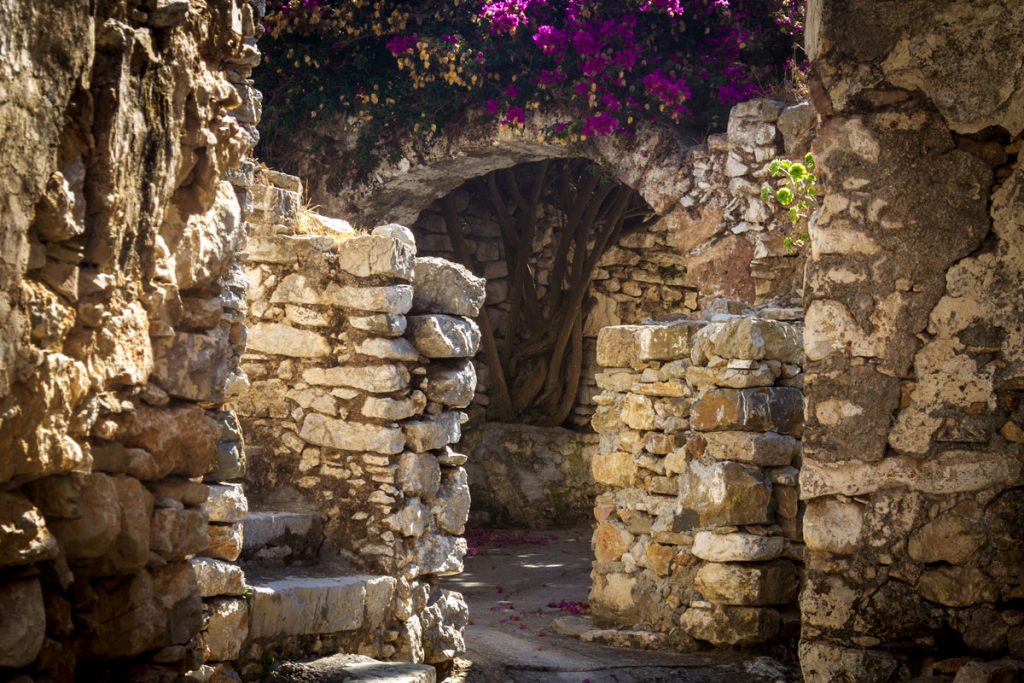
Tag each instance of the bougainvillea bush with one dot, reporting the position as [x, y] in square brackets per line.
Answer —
[605, 65]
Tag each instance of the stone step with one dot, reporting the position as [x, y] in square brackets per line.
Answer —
[276, 537]
[315, 601]
[354, 669]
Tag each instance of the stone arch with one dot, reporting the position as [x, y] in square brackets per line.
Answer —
[427, 170]
[705, 190]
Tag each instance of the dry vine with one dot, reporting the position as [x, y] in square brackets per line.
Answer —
[535, 370]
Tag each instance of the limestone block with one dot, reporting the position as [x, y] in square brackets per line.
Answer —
[294, 531]
[24, 537]
[638, 413]
[957, 586]
[833, 526]
[120, 351]
[419, 474]
[611, 541]
[723, 625]
[23, 628]
[952, 537]
[227, 628]
[377, 379]
[615, 469]
[432, 433]
[796, 123]
[411, 520]
[231, 461]
[351, 436]
[283, 340]
[394, 409]
[298, 288]
[725, 494]
[438, 555]
[613, 593]
[388, 349]
[93, 534]
[216, 577]
[446, 287]
[952, 471]
[821, 661]
[444, 336]
[394, 299]
[748, 339]
[666, 341]
[226, 503]
[444, 621]
[450, 458]
[383, 324]
[764, 409]
[376, 255]
[772, 583]
[451, 384]
[192, 366]
[286, 249]
[760, 375]
[451, 508]
[178, 533]
[225, 541]
[380, 595]
[333, 226]
[182, 490]
[660, 557]
[397, 232]
[617, 346]
[281, 206]
[990, 672]
[313, 605]
[152, 609]
[767, 449]
[737, 547]
[44, 447]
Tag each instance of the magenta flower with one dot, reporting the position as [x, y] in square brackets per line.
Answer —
[515, 115]
[600, 124]
[402, 44]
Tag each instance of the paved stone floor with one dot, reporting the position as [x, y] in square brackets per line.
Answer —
[510, 585]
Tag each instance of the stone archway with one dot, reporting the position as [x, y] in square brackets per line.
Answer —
[714, 239]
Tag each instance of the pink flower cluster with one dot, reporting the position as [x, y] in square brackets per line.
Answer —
[604, 57]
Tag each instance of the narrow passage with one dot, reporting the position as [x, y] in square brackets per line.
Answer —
[526, 588]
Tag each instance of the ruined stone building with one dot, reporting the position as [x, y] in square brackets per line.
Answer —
[236, 432]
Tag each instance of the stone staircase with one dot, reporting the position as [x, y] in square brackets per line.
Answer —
[298, 596]
[369, 399]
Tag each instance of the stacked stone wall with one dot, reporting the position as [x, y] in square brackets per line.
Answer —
[122, 329]
[359, 363]
[698, 539]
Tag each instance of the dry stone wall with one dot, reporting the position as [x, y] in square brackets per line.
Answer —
[913, 457]
[698, 539]
[122, 325]
[359, 363]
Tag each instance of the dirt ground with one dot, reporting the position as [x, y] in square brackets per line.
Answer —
[518, 583]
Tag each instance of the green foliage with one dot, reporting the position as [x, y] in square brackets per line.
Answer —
[795, 190]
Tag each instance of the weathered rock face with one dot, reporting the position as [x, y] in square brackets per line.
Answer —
[119, 301]
[912, 460]
[701, 510]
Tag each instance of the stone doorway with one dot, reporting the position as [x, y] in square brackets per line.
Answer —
[529, 435]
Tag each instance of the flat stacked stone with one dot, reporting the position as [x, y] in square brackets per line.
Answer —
[698, 427]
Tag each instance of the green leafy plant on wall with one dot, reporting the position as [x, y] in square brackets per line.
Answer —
[796, 190]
